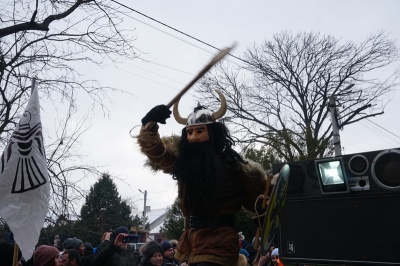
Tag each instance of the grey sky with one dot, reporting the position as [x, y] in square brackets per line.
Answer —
[219, 23]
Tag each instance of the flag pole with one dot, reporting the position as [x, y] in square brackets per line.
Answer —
[15, 255]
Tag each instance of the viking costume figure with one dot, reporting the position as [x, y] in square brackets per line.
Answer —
[214, 181]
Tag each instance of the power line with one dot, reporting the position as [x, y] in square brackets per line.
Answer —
[143, 77]
[157, 74]
[158, 28]
[203, 42]
[383, 128]
[384, 137]
[184, 72]
[174, 29]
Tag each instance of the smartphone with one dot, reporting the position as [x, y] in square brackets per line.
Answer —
[130, 239]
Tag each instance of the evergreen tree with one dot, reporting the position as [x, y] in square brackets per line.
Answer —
[173, 225]
[103, 210]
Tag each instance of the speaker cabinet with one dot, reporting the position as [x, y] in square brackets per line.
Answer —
[361, 227]
[377, 171]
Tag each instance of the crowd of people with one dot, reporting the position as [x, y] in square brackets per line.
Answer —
[249, 255]
[113, 251]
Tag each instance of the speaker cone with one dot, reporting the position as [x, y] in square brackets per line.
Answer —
[385, 169]
[358, 164]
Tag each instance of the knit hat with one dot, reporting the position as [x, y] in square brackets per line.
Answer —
[151, 248]
[275, 252]
[118, 231]
[88, 248]
[7, 253]
[72, 243]
[166, 245]
[45, 255]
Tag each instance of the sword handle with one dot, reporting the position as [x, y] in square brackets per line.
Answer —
[222, 53]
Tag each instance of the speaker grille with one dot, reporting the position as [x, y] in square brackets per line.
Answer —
[385, 169]
[358, 164]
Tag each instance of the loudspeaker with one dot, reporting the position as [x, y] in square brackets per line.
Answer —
[360, 227]
[376, 171]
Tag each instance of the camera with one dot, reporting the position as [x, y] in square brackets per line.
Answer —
[130, 239]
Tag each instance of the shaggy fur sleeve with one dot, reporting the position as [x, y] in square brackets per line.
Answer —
[255, 179]
[161, 152]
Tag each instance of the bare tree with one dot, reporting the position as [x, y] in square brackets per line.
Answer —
[280, 97]
[67, 170]
[53, 41]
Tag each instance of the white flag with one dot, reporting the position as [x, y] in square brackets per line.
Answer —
[24, 180]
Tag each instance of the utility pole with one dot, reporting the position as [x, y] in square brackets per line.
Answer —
[144, 208]
[335, 125]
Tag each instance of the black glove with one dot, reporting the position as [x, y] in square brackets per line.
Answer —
[158, 114]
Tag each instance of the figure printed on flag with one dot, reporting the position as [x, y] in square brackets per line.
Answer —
[28, 174]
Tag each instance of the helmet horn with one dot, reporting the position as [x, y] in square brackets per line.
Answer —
[177, 116]
[216, 115]
[222, 110]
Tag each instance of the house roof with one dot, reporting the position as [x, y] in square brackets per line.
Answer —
[156, 219]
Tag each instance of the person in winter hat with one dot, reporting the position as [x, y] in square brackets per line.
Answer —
[119, 230]
[275, 257]
[116, 253]
[46, 256]
[74, 243]
[169, 253]
[88, 249]
[152, 255]
[174, 244]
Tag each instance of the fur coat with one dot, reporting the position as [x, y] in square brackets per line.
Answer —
[243, 184]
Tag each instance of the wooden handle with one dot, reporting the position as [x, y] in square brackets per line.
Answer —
[15, 254]
[213, 61]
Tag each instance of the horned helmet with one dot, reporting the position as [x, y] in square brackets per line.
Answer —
[201, 115]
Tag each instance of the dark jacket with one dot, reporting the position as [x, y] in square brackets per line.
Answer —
[115, 256]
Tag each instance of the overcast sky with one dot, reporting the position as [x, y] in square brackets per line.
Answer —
[173, 60]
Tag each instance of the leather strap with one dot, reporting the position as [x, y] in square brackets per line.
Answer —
[197, 222]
